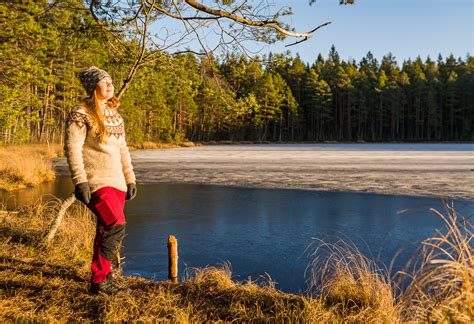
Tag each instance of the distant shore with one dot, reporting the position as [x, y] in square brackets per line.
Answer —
[321, 142]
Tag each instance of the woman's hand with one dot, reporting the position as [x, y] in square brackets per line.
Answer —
[131, 191]
[82, 191]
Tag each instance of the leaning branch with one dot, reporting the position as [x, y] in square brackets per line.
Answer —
[312, 31]
[203, 13]
[217, 14]
[246, 21]
[172, 15]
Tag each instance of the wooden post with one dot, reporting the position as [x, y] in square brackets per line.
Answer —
[118, 259]
[172, 259]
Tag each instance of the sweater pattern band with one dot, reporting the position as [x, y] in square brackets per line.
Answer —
[80, 119]
[114, 123]
[112, 120]
[116, 131]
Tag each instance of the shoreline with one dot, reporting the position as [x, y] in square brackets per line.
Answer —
[377, 168]
[224, 142]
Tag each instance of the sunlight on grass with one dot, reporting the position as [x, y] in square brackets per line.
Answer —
[441, 276]
[436, 285]
[27, 165]
[352, 283]
[154, 145]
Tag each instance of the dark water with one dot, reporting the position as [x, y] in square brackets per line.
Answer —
[261, 230]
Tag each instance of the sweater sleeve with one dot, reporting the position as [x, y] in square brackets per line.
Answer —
[76, 132]
[127, 167]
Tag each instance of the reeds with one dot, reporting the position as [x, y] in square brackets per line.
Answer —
[437, 284]
[26, 165]
[356, 288]
[440, 277]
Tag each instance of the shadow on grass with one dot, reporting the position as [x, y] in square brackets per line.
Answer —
[43, 269]
[19, 236]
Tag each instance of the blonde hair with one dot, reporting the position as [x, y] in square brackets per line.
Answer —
[91, 105]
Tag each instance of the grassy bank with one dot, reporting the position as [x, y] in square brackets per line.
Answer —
[26, 165]
[29, 165]
[50, 283]
[155, 145]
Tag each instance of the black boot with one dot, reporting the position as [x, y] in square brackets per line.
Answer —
[109, 287]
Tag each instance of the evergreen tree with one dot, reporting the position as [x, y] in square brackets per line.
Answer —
[201, 98]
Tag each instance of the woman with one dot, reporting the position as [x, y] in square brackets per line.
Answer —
[101, 170]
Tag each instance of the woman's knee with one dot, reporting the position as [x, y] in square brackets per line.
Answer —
[112, 240]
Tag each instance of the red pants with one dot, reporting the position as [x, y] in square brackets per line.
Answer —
[107, 204]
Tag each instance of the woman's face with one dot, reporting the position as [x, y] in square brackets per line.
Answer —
[104, 89]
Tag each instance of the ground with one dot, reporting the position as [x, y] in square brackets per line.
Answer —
[437, 173]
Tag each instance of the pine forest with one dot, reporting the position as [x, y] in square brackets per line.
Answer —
[232, 97]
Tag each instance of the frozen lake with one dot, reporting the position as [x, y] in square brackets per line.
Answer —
[439, 170]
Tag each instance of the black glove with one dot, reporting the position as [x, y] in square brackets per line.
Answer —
[82, 191]
[131, 191]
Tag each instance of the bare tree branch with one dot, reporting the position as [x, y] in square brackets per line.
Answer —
[139, 59]
[106, 31]
[245, 21]
[306, 38]
[169, 14]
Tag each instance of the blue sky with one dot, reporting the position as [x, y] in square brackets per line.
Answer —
[407, 28]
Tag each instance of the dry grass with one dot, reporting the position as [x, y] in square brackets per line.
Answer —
[440, 279]
[41, 282]
[50, 282]
[437, 284]
[358, 289]
[154, 145]
[27, 165]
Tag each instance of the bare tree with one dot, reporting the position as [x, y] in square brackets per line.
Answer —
[225, 25]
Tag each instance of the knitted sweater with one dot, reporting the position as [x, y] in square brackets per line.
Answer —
[100, 164]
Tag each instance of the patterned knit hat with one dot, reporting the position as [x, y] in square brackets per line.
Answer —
[90, 77]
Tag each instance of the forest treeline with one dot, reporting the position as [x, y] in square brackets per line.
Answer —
[233, 97]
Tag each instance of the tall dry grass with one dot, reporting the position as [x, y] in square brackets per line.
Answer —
[26, 165]
[440, 277]
[354, 285]
[437, 284]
